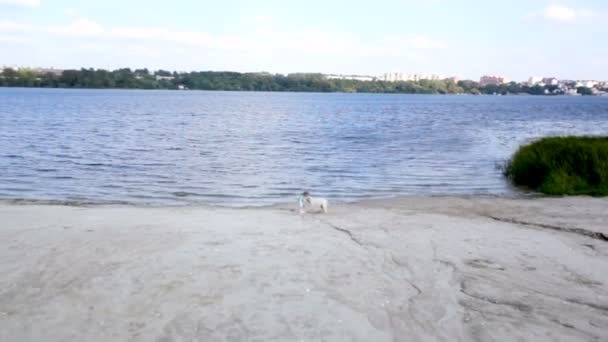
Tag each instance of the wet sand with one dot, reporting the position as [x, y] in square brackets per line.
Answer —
[409, 269]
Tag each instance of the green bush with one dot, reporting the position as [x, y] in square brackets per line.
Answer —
[562, 166]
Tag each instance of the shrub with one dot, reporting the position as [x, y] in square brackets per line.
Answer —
[562, 166]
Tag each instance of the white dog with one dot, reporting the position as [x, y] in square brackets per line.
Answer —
[309, 203]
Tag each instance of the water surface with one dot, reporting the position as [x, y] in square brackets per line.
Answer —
[242, 148]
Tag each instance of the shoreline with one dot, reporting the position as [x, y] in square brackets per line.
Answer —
[436, 268]
[313, 92]
[279, 203]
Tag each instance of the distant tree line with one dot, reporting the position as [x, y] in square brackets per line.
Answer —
[211, 80]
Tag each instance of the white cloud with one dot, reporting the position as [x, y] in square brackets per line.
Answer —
[139, 33]
[10, 39]
[70, 12]
[261, 41]
[7, 25]
[561, 13]
[82, 27]
[84, 42]
[26, 3]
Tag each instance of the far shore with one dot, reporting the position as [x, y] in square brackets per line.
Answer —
[310, 92]
[440, 268]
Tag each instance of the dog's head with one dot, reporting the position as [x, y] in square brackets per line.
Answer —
[306, 196]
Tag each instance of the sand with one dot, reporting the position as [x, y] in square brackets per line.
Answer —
[409, 269]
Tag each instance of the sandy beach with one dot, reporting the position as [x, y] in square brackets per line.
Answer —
[408, 269]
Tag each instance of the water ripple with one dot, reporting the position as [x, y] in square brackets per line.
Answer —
[233, 148]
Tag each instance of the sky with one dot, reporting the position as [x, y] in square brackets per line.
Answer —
[567, 39]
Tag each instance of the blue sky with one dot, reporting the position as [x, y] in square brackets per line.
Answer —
[467, 38]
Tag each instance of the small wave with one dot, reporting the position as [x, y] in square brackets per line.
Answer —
[95, 164]
[183, 194]
[110, 186]
[12, 189]
[64, 156]
[140, 150]
[61, 177]
[59, 202]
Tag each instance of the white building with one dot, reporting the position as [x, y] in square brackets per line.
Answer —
[588, 84]
[56, 72]
[164, 78]
[392, 77]
[350, 77]
[552, 81]
[14, 67]
[40, 71]
[534, 80]
[400, 76]
[571, 92]
[493, 80]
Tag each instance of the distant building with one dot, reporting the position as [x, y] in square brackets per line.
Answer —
[571, 91]
[551, 81]
[56, 72]
[392, 77]
[39, 71]
[493, 80]
[14, 67]
[164, 78]
[534, 80]
[433, 77]
[350, 77]
[588, 84]
[400, 77]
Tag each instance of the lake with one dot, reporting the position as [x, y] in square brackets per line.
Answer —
[244, 148]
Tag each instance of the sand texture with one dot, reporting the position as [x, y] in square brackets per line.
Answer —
[409, 269]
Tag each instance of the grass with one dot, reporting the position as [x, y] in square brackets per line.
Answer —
[562, 166]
